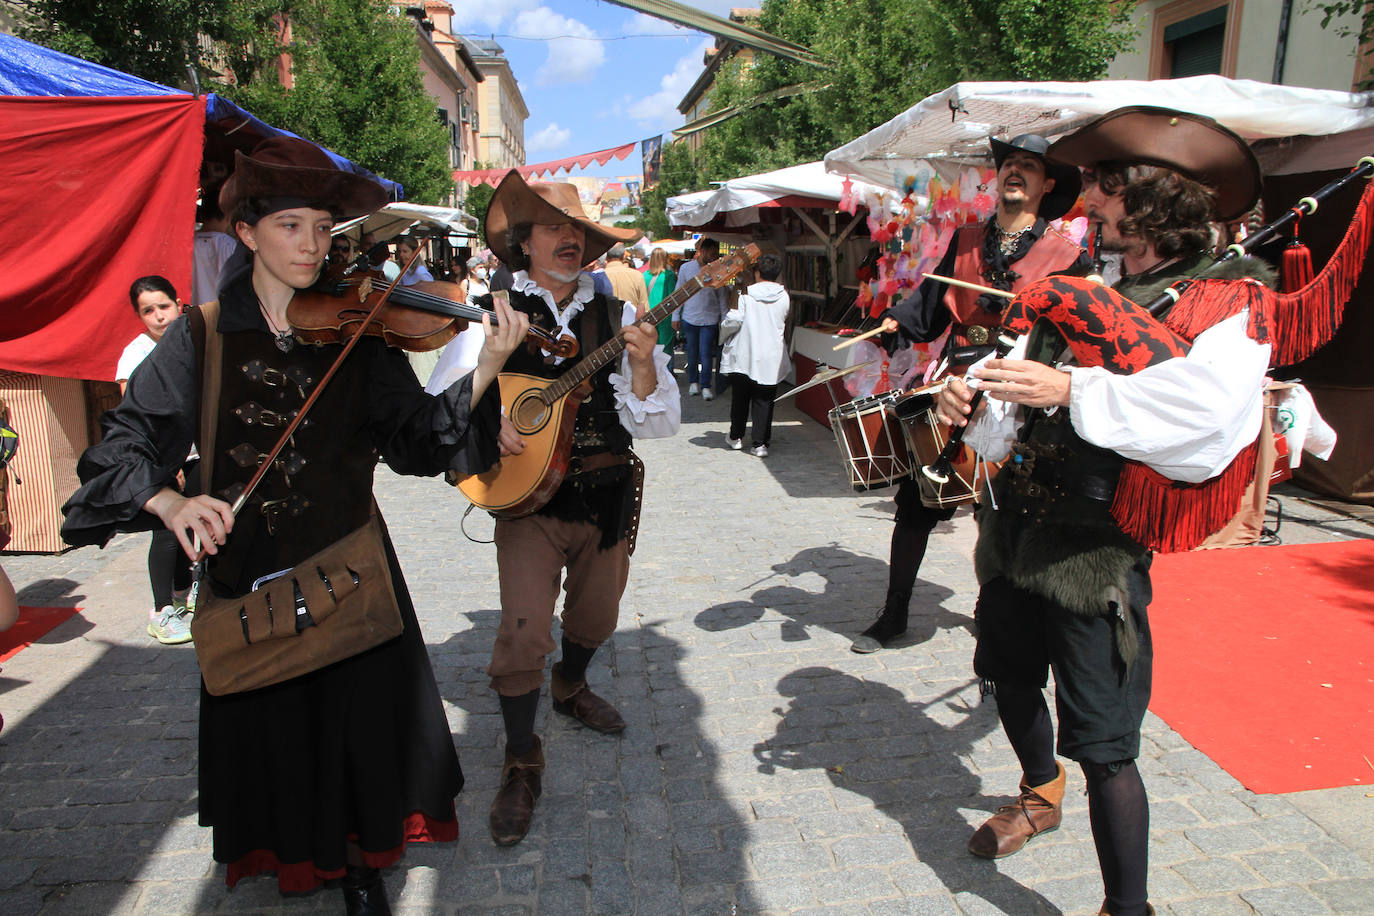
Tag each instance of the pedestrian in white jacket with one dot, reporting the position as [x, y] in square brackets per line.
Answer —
[755, 355]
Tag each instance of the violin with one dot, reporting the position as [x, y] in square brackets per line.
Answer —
[419, 318]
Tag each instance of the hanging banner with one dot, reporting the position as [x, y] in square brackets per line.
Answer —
[651, 150]
[493, 176]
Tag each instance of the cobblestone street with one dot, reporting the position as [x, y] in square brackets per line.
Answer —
[766, 768]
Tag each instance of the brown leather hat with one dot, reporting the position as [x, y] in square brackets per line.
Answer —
[1192, 145]
[550, 204]
[291, 170]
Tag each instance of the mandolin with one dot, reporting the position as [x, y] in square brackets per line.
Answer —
[543, 410]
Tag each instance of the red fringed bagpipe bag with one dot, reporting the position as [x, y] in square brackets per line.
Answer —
[1102, 328]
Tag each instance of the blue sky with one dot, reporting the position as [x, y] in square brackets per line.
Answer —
[594, 75]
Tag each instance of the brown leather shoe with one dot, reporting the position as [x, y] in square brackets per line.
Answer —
[1038, 810]
[576, 700]
[521, 785]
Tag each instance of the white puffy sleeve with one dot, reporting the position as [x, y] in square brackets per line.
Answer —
[658, 415]
[1186, 417]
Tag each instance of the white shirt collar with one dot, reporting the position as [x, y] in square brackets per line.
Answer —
[586, 288]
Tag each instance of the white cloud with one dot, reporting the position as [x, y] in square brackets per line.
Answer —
[662, 105]
[551, 137]
[572, 57]
[489, 13]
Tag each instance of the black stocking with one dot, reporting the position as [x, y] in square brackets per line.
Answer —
[518, 713]
[1120, 816]
[575, 661]
[904, 558]
[1026, 720]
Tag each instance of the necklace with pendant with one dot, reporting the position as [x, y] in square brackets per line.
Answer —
[1009, 240]
[284, 339]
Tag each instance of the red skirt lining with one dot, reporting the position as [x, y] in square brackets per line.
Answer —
[298, 877]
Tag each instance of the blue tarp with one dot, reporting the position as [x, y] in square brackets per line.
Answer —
[31, 70]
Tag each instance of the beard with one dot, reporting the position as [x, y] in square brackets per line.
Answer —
[562, 277]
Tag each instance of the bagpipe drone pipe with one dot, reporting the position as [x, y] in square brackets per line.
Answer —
[1102, 328]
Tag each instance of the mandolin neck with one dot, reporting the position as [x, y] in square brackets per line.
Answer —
[603, 355]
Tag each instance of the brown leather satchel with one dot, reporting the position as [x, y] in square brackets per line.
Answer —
[251, 641]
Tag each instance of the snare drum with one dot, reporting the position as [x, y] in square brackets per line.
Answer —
[925, 438]
[872, 443]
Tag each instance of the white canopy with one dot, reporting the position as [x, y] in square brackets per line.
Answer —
[676, 246]
[954, 125]
[395, 218]
[738, 197]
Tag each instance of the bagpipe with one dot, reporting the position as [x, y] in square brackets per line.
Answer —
[1102, 328]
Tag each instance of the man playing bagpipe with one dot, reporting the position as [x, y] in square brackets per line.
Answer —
[1123, 435]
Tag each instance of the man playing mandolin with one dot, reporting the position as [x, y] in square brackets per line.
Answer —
[587, 526]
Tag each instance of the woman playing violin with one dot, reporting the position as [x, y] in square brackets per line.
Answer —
[326, 775]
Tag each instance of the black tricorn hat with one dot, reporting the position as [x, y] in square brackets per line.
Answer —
[289, 168]
[1193, 145]
[1067, 182]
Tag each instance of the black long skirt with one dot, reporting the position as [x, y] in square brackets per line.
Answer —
[357, 752]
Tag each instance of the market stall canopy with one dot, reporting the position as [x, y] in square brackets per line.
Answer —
[101, 170]
[676, 246]
[396, 218]
[952, 127]
[736, 200]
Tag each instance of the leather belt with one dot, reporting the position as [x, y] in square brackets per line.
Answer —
[580, 464]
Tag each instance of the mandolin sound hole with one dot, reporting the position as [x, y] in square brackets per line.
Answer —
[529, 413]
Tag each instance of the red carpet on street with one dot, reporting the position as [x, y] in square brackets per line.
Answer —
[33, 622]
[1264, 661]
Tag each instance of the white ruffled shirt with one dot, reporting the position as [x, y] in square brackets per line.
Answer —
[1187, 417]
[657, 416]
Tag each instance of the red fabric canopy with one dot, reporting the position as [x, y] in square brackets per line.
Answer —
[71, 242]
[600, 157]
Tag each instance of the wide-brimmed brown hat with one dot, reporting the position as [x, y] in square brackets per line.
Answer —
[547, 203]
[1067, 180]
[292, 169]
[1192, 145]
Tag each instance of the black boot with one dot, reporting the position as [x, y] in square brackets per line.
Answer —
[890, 624]
[364, 893]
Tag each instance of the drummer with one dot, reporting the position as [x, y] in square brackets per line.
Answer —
[1016, 246]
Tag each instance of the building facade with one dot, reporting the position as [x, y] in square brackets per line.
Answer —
[451, 78]
[697, 102]
[501, 141]
[1272, 41]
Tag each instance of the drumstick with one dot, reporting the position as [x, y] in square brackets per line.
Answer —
[1005, 294]
[853, 340]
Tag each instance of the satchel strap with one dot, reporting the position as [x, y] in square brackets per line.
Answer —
[210, 356]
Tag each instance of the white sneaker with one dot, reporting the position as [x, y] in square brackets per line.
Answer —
[693, 388]
[706, 394]
[759, 451]
[735, 444]
[169, 627]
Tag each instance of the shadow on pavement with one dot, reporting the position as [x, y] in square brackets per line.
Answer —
[855, 586]
[908, 758]
[631, 823]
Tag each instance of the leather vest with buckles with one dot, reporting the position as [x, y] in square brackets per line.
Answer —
[302, 504]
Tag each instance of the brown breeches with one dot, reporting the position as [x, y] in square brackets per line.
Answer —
[531, 555]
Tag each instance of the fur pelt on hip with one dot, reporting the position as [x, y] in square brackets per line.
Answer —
[1081, 565]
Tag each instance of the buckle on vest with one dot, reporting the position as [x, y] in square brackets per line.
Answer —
[977, 334]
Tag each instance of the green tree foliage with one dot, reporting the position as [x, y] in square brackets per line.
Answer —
[676, 175]
[154, 39]
[1365, 33]
[357, 90]
[355, 65]
[476, 202]
[889, 54]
